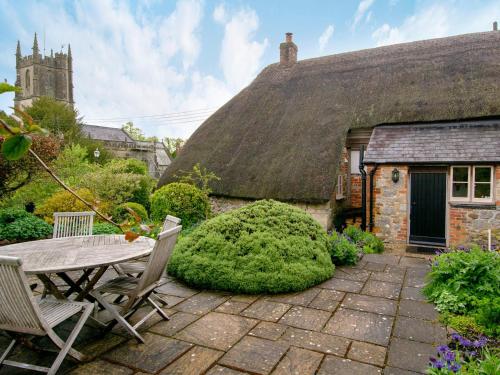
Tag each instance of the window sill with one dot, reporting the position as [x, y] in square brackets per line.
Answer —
[339, 197]
[476, 205]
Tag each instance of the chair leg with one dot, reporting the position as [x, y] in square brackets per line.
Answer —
[66, 348]
[159, 298]
[99, 297]
[158, 309]
[7, 351]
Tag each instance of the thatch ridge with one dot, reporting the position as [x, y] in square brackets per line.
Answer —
[282, 136]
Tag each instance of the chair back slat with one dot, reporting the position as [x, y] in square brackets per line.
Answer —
[159, 257]
[19, 311]
[71, 224]
[170, 222]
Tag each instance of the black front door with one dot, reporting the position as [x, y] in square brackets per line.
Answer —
[428, 208]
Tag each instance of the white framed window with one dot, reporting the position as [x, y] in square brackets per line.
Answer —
[482, 188]
[340, 187]
[354, 161]
[460, 183]
[472, 183]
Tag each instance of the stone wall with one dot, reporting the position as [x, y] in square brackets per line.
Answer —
[470, 225]
[320, 212]
[390, 204]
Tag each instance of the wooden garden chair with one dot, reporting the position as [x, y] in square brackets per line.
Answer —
[21, 314]
[72, 224]
[138, 289]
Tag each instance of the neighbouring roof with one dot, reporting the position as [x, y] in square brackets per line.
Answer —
[452, 142]
[105, 133]
[282, 136]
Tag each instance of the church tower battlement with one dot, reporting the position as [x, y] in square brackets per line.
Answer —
[39, 75]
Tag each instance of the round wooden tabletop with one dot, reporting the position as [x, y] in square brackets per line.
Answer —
[77, 253]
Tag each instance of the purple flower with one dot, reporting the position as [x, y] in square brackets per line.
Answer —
[439, 365]
[454, 367]
[480, 342]
[433, 360]
[455, 336]
[443, 348]
[436, 264]
[471, 354]
[465, 342]
[449, 356]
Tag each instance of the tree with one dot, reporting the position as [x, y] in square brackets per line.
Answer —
[56, 117]
[136, 133]
[173, 145]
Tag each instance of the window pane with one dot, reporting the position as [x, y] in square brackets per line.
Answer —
[460, 174]
[355, 162]
[482, 191]
[482, 174]
[460, 190]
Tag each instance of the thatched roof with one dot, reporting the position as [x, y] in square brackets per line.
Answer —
[282, 136]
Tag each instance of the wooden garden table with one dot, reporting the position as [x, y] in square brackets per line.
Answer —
[87, 253]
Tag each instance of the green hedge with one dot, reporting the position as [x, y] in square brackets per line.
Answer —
[264, 247]
[18, 225]
[342, 249]
[105, 228]
[184, 201]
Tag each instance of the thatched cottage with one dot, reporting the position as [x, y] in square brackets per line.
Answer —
[427, 113]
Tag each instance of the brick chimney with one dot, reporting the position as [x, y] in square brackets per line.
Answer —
[495, 26]
[288, 51]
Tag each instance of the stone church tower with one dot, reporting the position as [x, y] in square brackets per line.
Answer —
[39, 75]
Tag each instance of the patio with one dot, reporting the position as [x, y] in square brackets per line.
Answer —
[367, 319]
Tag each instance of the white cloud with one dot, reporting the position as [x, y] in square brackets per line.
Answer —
[220, 13]
[363, 7]
[438, 20]
[325, 37]
[241, 54]
[133, 62]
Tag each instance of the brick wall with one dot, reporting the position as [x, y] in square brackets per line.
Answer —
[390, 204]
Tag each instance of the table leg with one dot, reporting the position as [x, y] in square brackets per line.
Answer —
[88, 288]
[74, 285]
[50, 286]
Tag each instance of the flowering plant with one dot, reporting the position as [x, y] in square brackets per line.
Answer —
[459, 354]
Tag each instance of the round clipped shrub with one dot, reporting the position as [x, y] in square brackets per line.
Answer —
[120, 213]
[264, 247]
[19, 225]
[184, 201]
[105, 228]
[64, 201]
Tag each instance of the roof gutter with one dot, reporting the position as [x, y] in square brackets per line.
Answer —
[363, 187]
[372, 175]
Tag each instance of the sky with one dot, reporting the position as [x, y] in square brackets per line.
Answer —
[167, 65]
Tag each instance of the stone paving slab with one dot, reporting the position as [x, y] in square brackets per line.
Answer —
[376, 267]
[397, 371]
[301, 298]
[410, 355]
[255, 355]
[217, 330]
[327, 300]
[101, 367]
[232, 307]
[220, 370]
[420, 330]
[201, 303]
[268, 330]
[390, 277]
[361, 326]
[298, 361]
[342, 285]
[368, 353]
[306, 318]
[155, 354]
[417, 309]
[266, 310]
[194, 362]
[341, 366]
[381, 289]
[370, 304]
[177, 322]
[317, 341]
[352, 274]
[416, 294]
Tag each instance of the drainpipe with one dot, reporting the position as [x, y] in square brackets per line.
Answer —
[363, 187]
[372, 174]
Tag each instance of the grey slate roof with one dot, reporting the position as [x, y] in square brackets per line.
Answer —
[450, 142]
[105, 133]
